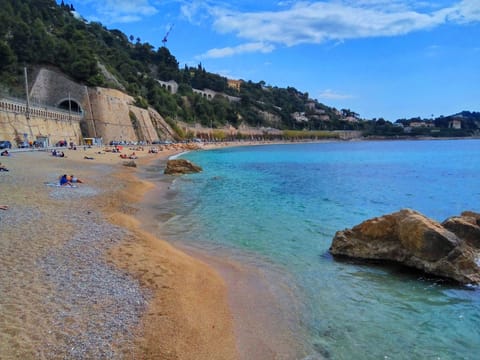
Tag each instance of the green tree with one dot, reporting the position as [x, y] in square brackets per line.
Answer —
[7, 57]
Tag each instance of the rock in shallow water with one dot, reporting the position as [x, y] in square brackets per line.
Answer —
[450, 249]
[181, 166]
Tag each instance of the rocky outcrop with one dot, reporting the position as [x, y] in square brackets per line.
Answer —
[466, 226]
[450, 249]
[180, 167]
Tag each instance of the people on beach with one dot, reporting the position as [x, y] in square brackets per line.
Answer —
[64, 180]
[73, 179]
[5, 153]
[58, 153]
[2, 167]
[3, 207]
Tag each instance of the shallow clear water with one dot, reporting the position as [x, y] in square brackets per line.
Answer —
[282, 204]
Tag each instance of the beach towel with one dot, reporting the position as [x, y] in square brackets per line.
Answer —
[58, 185]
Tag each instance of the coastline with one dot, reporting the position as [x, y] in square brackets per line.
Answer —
[69, 254]
[80, 279]
[263, 309]
[188, 316]
[263, 326]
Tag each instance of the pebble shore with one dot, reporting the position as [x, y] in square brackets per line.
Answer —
[79, 279]
[61, 298]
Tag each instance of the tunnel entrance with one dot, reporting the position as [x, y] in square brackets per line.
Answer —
[70, 105]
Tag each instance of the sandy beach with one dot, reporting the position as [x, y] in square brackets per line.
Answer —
[79, 279]
[82, 277]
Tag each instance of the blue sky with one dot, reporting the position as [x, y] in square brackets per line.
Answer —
[379, 58]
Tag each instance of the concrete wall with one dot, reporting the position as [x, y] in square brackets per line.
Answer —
[51, 88]
[17, 128]
[104, 113]
[111, 109]
[110, 113]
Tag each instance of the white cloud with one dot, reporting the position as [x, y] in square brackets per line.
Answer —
[195, 11]
[240, 49]
[329, 94]
[465, 12]
[291, 23]
[316, 22]
[320, 22]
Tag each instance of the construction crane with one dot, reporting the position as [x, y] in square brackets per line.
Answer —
[164, 41]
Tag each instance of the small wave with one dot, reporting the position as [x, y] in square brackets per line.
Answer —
[173, 157]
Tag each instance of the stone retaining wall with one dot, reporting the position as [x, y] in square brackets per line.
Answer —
[104, 113]
[17, 128]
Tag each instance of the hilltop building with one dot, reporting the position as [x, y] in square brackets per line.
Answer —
[455, 124]
[299, 117]
[234, 84]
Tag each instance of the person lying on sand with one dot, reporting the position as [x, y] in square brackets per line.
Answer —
[74, 179]
[3, 168]
[3, 207]
[58, 153]
[64, 181]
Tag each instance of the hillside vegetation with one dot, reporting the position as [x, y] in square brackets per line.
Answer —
[36, 33]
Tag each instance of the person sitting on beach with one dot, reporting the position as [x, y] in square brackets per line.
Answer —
[3, 168]
[5, 153]
[64, 181]
[133, 156]
[54, 152]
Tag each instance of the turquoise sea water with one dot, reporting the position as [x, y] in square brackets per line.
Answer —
[280, 206]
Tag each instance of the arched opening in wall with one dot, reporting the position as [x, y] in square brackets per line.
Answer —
[70, 105]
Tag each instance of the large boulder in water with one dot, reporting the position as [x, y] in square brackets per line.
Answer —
[450, 249]
[466, 226]
[180, 167]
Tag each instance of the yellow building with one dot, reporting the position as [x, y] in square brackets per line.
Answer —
[234, 84]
